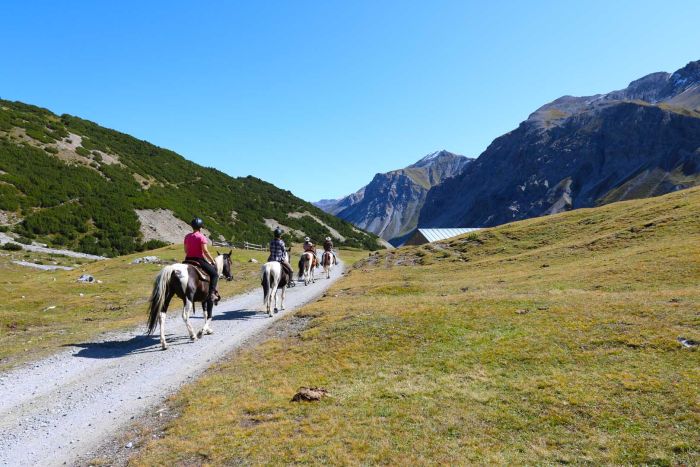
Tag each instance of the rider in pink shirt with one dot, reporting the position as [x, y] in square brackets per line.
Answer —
[196, 250]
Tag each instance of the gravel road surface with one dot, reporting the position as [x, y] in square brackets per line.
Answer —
[65, 406]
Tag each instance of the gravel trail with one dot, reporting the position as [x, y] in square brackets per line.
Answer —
[65, 406]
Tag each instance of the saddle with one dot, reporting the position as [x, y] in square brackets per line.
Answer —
[201, 272]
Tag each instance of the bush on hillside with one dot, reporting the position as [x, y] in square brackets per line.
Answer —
[9, 246]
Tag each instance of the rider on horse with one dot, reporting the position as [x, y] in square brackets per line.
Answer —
[310, 248]
[328, 246]
[278, 252]
[196, 252]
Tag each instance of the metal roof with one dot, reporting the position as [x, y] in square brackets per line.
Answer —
[434, 235]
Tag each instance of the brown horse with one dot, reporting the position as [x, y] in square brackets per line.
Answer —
[184, 281]
[306, 267]
[327, 262]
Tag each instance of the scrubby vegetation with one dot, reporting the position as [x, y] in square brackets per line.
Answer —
[90, 207]
[546, 341]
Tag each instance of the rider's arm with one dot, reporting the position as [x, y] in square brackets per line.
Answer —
[205, 250]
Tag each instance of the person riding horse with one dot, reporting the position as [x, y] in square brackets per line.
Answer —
[278, 252]
[196, 251]
[311, 248]
[328, 246]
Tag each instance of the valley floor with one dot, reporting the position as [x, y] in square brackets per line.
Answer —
[552, 340]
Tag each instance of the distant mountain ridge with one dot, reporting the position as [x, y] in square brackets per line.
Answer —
[71, 183]
[389, 205]
[576, 152]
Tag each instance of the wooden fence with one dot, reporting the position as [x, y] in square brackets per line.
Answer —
[240, 245]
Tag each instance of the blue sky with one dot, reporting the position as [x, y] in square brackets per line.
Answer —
[316, 97]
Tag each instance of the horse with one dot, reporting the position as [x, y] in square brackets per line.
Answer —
[273, 277]
[327, 261]
[184, 281]
[306, 267]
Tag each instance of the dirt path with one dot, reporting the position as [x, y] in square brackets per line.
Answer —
[4, 238]
[61, 408]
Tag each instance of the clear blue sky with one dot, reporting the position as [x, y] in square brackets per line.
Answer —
[291, 90]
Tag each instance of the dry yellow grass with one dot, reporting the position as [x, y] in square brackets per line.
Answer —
[551, 340]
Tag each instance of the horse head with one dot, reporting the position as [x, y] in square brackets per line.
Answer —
[227, 266]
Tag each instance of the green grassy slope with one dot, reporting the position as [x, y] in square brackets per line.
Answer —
[551, 340]
[84, 197]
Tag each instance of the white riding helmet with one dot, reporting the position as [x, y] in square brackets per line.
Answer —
[307, 239]
[328, 239]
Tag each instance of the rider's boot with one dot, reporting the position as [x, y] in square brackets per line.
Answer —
[214, 296]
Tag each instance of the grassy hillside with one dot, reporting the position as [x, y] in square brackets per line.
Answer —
[75, 184]
[551, 340]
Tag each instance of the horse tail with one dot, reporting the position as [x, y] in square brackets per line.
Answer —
[265, 282]
[157, 300]
[301, 266]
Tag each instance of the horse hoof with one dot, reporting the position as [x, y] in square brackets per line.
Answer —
[209, 332]
[164, 347]
[200, 334]
[193, 338]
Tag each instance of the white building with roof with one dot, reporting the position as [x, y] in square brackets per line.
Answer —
[422, 236]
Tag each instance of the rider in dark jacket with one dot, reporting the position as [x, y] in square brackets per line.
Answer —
[278, 252]
[328, 246]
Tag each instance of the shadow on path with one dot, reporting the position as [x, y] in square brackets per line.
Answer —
[242, 315]
[122, 348]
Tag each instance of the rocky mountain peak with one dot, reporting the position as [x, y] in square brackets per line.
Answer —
[390, 203]
[435, 157]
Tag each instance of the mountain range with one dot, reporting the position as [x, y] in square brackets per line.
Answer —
[390, 204]
[640, 141]
[71, 183]
[578, 152]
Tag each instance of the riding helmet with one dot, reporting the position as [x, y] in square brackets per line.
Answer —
[197, 223]
[328, 239]
[278, 232]
[307, 239]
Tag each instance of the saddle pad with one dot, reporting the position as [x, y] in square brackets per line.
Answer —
[202, 274]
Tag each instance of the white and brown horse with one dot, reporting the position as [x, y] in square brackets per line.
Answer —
[327, 261]
[273, 278]
[306, 267]
[184, 281]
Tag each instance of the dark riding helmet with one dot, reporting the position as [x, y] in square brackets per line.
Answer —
[278, 232]
[197, 223]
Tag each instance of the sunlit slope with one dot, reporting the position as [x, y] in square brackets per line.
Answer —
[552, 340]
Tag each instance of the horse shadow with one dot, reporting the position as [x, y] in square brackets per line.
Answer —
[146, 344]
[238, 315]
[123, 348]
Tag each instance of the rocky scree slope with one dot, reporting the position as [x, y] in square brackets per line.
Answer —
[576, 152]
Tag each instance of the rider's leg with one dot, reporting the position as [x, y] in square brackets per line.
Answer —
[211, 270]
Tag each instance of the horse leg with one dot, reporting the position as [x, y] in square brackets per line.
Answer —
[210, 314]
[207, 312]
[274, 294]
[161, 322]
[186, 318]
[284, 291]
